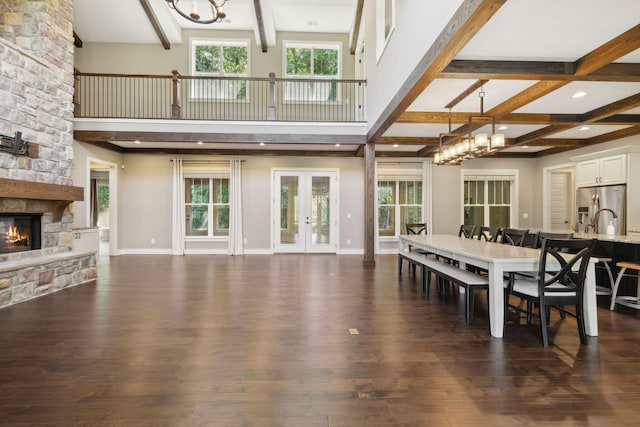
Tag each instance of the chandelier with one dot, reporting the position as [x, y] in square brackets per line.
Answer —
[469, 146]
[217, 14]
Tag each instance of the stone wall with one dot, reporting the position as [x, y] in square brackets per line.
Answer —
[36, 98]
[36, 87]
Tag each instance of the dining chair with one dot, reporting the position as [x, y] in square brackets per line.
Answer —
[415, 228]
[490, 234]
[559, 282]
[468, 231]
[514, 237]
[540, 235]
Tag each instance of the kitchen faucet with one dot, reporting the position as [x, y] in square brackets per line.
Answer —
[596, 218]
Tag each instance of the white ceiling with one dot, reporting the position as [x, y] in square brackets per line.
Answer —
[541, 30]
[124, 21]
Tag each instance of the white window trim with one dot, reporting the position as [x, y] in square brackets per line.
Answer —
[311, 45]
[381, 40]
[397, 172]
[209, 171]
[194, 42]
[488, 173]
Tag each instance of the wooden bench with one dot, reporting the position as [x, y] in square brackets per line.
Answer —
[445, 271]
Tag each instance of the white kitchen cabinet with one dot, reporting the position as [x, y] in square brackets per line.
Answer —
[603, 171]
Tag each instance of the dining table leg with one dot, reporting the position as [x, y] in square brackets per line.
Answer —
[496, 300]
[590, 302]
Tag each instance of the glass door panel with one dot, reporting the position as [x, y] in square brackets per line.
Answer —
[289, 220]
[305, 211]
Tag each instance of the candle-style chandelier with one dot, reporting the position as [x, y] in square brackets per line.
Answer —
[468, 146]
[217, 13]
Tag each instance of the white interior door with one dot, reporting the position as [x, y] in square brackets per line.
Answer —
[561, 198]
[305, 207]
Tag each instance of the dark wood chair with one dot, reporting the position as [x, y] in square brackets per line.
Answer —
[490, 234]
[540, 235]
[513, 236]
[468, 231]
[557, 286]
[415, 228]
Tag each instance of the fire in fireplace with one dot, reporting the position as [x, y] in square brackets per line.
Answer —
[20, 232]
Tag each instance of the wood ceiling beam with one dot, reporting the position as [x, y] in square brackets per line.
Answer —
[260, 22]
[353, 44]
[615, 48]
[77, 41]
[183, 137]
[404, 140]
[148, 10]
[559, 142]
[478, 84]
[470, 17]
[417, 117]
[608, 110]
[612, 136]
[537, 70]
[588, 117]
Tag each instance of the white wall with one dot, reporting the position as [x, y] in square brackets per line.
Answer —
[417, 25]
[123, 58]
[145, 198]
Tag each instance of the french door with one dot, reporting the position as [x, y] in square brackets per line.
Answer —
[305, 211]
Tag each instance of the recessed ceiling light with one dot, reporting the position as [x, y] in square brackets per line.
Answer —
[261, 144]
[524, 147]
[395, 145]
[579, 94]
[137, 142]
[199, 142]
[503, 127]
[583, 128]
[337, 145]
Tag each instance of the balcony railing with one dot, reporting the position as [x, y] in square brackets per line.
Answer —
[218, 98]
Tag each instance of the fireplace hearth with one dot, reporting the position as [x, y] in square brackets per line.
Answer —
[20, 232]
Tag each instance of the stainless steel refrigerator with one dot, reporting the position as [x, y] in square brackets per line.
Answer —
[596, 206]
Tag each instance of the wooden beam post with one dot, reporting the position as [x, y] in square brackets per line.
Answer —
[369, 205]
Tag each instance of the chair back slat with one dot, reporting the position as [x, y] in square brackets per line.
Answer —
[416, 228]
[569, 253]
[490, 234]
[514, 236]
[468, 231]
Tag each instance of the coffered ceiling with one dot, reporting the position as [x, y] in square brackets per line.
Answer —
[529, 58]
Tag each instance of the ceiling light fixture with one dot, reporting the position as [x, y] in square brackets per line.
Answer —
[583, 128]
[471, 146]
[579, 94]
[217, 13]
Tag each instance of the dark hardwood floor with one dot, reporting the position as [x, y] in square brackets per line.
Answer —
[264, 341]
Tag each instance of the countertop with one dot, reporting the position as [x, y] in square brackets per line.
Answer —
[606, 238]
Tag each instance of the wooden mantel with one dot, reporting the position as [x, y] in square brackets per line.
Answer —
[60, 195]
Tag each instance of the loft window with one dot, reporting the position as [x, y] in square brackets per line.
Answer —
[219, 59]
[313, 63]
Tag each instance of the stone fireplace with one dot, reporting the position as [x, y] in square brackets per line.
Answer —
[36, 101]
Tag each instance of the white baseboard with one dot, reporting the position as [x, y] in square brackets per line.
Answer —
[144, 252]
[350, 252]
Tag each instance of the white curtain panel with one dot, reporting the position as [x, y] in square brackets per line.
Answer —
[236, 238]
[177, 236]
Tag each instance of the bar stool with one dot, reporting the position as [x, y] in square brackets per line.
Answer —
[629, 301]
[605, 290]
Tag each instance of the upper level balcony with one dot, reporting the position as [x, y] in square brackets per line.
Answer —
[174, 96]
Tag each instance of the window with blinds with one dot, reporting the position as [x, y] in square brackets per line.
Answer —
[206, 199]
[400, 197]
[488, 199]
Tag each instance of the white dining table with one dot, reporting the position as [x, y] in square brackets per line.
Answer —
[498, 259]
